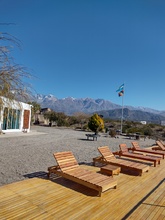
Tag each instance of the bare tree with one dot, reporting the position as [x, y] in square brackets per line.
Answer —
[12, 75]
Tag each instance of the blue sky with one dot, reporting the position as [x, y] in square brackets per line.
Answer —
[88, 48]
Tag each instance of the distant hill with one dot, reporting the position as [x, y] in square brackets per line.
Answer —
[108, 109]
[133, 115]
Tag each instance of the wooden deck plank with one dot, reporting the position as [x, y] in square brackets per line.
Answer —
[135, 197]
[153, 206]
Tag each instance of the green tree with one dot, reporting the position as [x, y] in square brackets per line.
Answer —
[147, 131]
[62, 119]
[52, 116]
[35, 108]
[96, 123]
[59, 117]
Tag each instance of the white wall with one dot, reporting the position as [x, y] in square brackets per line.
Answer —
[18, 106]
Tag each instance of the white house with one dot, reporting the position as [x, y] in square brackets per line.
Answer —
[163, 123]
[143, 122]
[14, 116]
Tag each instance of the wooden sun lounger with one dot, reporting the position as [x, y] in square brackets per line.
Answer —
[70, 169]
[160, 146]
[137, 148]
[109, 158]
[124, 151]
[162, 142]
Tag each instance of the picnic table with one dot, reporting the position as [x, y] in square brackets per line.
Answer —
[93, 136]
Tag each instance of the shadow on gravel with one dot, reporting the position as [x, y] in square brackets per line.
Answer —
[84, 139]
[39, 174]
[43, 174]
[88, 164]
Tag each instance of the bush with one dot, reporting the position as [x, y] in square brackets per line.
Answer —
[96, 123]
[147, 131]
[133, 130]
[85, 127]
[112, 133]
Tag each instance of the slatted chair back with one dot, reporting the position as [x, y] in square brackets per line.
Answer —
[159, 143]
[66, 160]
[123, 148]
[136, 145]
[106, 153]
[162, 142]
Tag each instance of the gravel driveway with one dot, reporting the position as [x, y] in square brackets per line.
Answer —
[23, 155]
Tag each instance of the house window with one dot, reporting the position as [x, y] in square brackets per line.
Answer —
[11, 119]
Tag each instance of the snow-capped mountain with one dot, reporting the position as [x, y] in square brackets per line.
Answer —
[70, 105]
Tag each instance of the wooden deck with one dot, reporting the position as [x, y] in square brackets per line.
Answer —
[136, 197]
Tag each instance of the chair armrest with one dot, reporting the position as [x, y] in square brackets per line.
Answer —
[116, 152]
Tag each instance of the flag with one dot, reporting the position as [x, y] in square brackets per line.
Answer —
[120, 90]
[121, 93]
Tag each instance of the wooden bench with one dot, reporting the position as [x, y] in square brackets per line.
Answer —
[93, 136]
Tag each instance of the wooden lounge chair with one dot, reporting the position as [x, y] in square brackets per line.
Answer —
[137, 148]
[162, 142]
[109, 158]
[124, 151]
[159, 146]
[70, 169]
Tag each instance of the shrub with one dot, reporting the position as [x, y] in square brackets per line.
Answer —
[112, 133]
[147, 131]
[96, 123]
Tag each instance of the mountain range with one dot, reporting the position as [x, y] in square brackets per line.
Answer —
[70, 105]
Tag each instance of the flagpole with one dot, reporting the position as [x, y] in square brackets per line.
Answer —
[122, 115]
[121, 93]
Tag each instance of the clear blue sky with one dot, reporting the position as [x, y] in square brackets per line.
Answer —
[88, 48]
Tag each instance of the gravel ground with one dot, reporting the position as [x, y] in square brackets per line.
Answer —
[24, 155]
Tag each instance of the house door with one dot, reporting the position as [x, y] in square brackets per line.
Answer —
[26, 119]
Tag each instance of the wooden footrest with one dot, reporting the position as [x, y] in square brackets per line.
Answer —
[110, 170]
